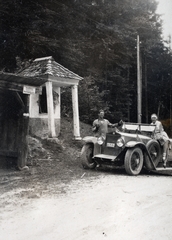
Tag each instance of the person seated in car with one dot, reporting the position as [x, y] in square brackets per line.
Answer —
[161, 136]
[100, 125]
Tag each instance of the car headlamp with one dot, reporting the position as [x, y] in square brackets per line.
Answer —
[120, 142]
[100, 140]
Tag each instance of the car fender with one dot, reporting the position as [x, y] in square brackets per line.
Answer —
[132, 144]
[91, 140]
[88, 140]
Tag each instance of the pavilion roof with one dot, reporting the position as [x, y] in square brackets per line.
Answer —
[47, 66]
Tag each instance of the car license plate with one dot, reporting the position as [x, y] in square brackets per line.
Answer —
[110, 144]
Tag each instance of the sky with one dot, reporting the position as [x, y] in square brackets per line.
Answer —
[165, 8]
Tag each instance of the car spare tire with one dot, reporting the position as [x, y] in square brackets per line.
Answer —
[154, 150]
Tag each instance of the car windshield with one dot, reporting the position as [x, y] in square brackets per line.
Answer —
[139, 126]
[145, 129]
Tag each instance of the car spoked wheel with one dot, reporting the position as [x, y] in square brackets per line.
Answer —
[153, 153]
[154, 150]
[87, 157]
[133, 161]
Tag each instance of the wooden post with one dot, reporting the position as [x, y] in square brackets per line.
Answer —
[23, 141]
[139, 103]
[50, 108]
[75, 112]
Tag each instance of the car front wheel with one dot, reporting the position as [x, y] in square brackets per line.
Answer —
[87, 157]
[133, 161]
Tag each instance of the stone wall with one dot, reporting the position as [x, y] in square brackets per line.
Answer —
[39, 127]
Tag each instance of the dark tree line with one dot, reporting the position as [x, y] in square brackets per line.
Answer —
[97, 40]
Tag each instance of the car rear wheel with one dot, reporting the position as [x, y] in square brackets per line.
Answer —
[133, 161]
[154, 150]
[87, 157]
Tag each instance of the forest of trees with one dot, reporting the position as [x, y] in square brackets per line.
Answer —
[96, 39]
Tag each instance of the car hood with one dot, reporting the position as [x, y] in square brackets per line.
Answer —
[128, 137]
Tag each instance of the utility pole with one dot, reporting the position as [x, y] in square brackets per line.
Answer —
[146, 89]
[139, 84]
[170, 109]
[170, 91]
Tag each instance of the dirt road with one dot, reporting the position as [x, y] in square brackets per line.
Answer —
[112, 206]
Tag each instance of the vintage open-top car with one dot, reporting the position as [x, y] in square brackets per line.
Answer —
[131, 146]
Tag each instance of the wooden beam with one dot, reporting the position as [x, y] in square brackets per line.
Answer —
[20, 100]
[11, 86]
[17, 87]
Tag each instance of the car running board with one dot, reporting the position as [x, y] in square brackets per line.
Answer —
[104, 156]
[163, 169]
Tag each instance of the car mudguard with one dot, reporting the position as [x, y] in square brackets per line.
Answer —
[132, 144]
[92, 140]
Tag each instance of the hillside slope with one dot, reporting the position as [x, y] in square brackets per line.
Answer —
[52, 164]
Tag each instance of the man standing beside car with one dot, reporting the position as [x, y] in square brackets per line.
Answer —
[100, 125]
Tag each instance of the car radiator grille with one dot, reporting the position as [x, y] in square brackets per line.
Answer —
[110, 147]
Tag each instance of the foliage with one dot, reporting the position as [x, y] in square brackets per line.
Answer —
[97, 40]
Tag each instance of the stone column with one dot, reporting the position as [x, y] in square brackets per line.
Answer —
[57, 107]
[50, 108]
[34, 106]
[57, 103]
[76, 126]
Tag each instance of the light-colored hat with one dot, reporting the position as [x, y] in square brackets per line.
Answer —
[154, 116]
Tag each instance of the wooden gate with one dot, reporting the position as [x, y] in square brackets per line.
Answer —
[13, 127]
